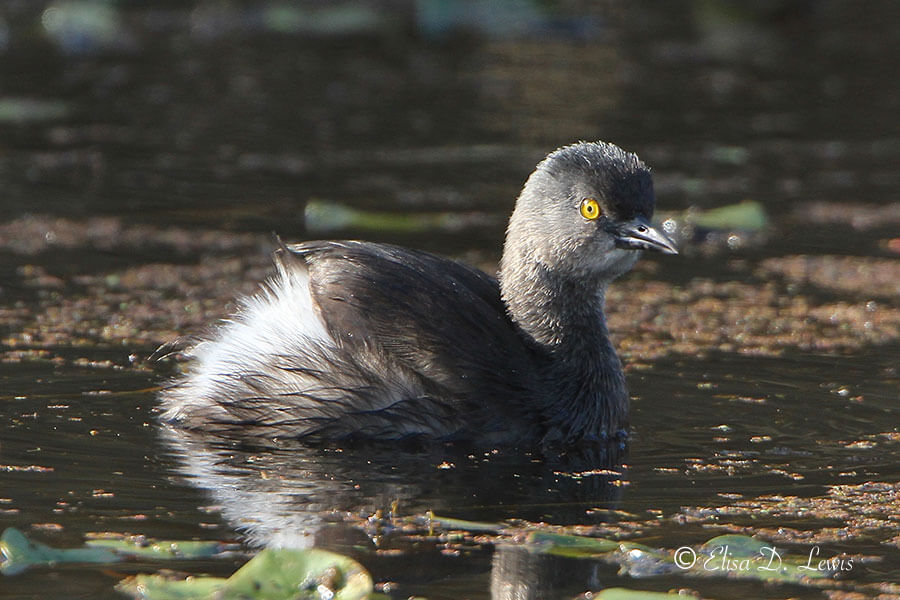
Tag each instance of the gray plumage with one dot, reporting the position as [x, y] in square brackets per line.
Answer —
[356, 339]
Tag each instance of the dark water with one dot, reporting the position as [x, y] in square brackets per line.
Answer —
[191, 131]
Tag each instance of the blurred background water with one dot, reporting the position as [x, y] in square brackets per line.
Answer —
[148, 149]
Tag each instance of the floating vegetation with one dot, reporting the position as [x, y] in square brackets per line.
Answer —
[866, 276]
[861, 216]
[272, 574]
[280, 573]
[865, 510]
[734, 556]
[148, 303]
[316, 573]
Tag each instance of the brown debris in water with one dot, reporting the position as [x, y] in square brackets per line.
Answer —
[872, 277]
[31, 234]
[139, 307]
[652, 319]
[860, 216]
[865, 510]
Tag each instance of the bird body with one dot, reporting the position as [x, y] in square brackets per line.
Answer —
[355, 339]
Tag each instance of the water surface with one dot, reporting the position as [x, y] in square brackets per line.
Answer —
[146, 158]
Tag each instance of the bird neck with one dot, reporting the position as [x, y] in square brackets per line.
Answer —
[563, 319]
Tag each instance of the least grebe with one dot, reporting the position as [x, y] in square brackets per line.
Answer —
[363, 340]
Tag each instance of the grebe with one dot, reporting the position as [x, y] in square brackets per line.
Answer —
[353, 339]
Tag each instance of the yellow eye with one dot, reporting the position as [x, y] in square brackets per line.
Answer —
[590, 209]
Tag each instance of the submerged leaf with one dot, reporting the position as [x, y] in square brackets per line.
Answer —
[738, 545]
[625, 594]
[571, 545]
[21, 110]
[271, 575]
[744, 216]
[747, 557]
[737, 556]
[323, 217]
[450, 523]
[18, 553]
[157, 549]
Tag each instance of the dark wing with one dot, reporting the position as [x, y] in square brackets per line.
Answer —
[441, 319]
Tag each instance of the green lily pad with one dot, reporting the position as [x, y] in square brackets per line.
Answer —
[18, 553]
[270, 575]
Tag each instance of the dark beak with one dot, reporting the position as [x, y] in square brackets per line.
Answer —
[638, 235]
